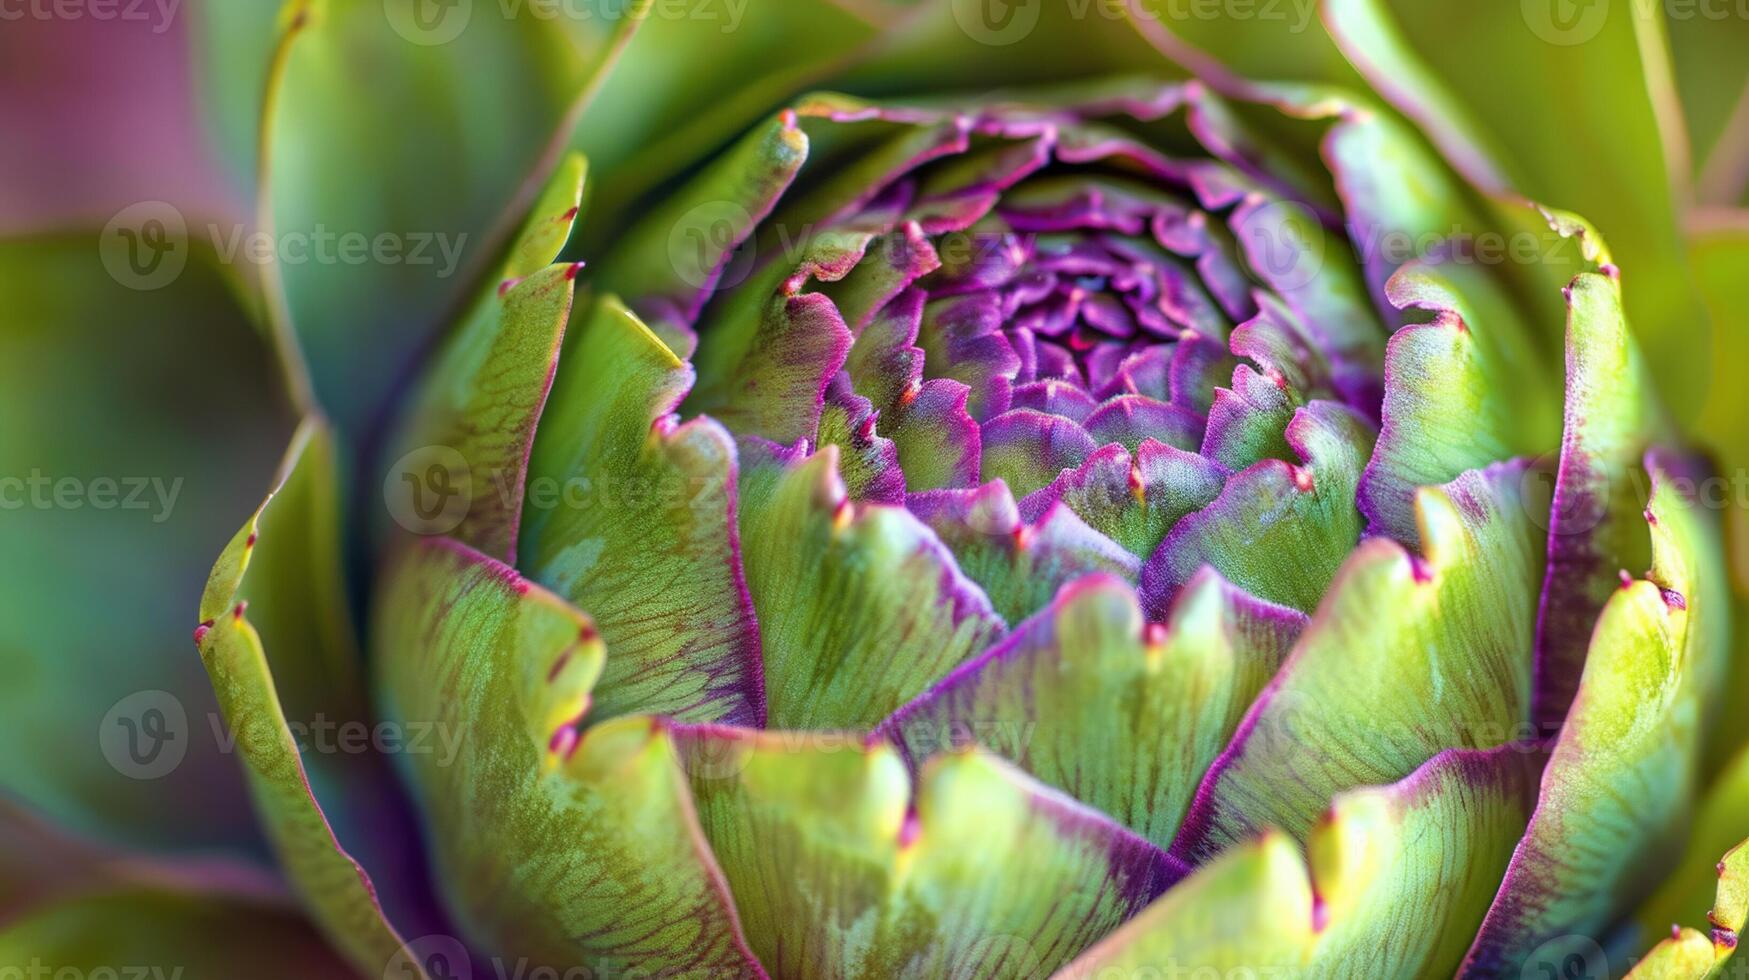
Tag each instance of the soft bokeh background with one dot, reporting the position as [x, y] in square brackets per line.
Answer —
[1641, 126]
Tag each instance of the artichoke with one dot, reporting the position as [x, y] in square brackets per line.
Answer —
[946, 514]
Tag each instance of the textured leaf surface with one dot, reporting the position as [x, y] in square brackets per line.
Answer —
[1020, 564]
[836, 877]
[1277, 530]
[860, 606]
[1614, 798]
[1086, 699]
[1474, 361]
[678, 254]
[632, 516]
[1215, 919]
[1406, 656]
[564, 847]
[1611, 417]
[286, 559]
[1134, 499]
[483, 396]
[1398, 877]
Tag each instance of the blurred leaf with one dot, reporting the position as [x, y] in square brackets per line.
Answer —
[129, 420]
[1580, 115]
[1707, 41]
[1719, 250]
[1691, 955]
[394, 148]
[76, 153]
[1720, 822]
[287, 559]
[190, 936]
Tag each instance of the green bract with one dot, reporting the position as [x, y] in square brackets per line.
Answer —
[947, 489]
